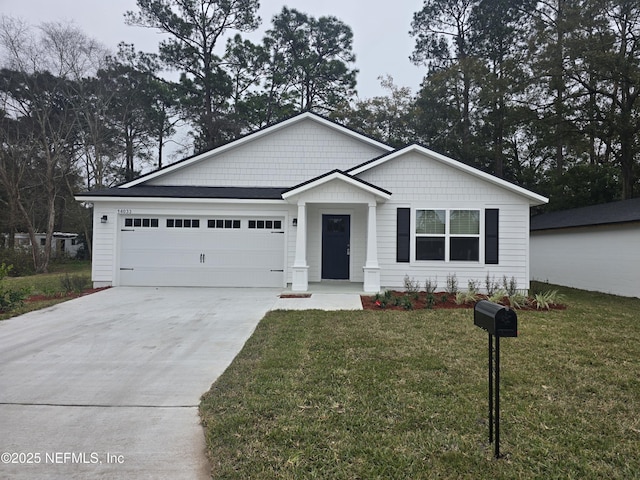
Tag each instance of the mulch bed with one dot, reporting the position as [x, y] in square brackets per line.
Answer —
[441, 300]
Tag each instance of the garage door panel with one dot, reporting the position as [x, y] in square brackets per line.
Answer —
[202, 256]
[158, 276]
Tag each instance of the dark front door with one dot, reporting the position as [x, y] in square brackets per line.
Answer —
[335, 246]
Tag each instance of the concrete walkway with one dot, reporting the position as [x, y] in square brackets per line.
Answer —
[320, 301]
[326, 295]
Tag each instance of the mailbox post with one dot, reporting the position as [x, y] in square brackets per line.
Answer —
[498, 321]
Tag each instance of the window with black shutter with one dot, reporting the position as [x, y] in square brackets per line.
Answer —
[403, 234]
[491, 222]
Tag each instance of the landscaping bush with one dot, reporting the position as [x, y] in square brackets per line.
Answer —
[10, 298]
[20, 259]
[545, 300]
[430, 285]
[491, 285]
[411, 285]
[452, 284]
[75, 283]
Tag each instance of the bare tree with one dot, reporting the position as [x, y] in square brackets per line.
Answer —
[37, 86]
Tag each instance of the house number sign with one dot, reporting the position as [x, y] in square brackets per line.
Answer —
[125, 211]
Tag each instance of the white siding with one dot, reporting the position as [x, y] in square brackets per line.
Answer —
[419, 182]
[104, 245]
[283, 158]
[603, 259]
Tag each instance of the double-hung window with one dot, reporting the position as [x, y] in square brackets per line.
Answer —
[448, 235]
[431, 234]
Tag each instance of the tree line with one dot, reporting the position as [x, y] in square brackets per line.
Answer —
[541, 93]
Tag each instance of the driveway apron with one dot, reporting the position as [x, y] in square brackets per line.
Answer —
[108, 385]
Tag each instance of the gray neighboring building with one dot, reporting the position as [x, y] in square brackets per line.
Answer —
[593, 248]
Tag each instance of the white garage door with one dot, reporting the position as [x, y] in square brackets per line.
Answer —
[214, 251]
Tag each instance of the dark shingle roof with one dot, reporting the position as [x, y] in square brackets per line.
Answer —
[607, 213]
[140, 191]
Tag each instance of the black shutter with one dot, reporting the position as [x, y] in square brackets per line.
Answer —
[491, 236]
[403, 234]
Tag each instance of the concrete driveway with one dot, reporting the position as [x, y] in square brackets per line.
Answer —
[108, 385]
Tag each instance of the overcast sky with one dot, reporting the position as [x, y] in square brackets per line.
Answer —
[380, 27]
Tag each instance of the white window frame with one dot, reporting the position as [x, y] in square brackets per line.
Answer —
[447, 235]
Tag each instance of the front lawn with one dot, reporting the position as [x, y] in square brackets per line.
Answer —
[399, 395]
[47, 289]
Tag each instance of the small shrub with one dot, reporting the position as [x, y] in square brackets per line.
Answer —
[9, 297]
[469, 296]
[517, 300]
[4, 270]
[406, 303]
[490, 285]
[74, 283]
[21, 260]
[497, 296]
[411, 285]
[430, 286]
[430, 301]
[380, 300]
[510, 286]
[545, 300]
[452, 284]
[444, 298]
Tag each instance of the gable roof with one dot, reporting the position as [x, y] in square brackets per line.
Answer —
[624, 211]
[534, 198]
[253, 136]
[333, 175]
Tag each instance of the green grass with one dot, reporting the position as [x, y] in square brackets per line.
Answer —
[398, 395]
[48, 284]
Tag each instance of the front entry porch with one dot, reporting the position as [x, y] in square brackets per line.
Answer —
[336, 248]
[336, 232]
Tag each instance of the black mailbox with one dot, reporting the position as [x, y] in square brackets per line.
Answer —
[496, 319]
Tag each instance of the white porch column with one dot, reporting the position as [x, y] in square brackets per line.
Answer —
[371, 267]
[300, 270]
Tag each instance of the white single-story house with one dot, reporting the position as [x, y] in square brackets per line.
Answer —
[62, 243]
[593, 248]
[308, 200]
